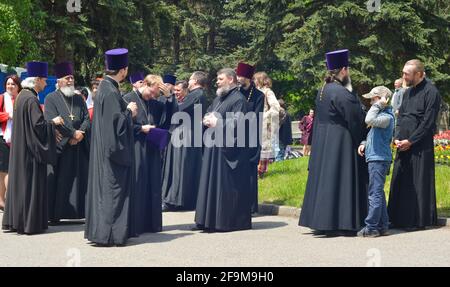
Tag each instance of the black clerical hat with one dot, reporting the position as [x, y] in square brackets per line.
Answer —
[116, 59]
[63, 70]
[169, 79]
[37, 69]
[337, 59]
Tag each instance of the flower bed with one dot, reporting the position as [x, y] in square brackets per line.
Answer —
[442, 148]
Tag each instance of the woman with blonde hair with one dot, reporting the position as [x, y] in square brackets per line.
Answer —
[270, 125]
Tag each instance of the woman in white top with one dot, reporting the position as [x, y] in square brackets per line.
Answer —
[12, 87]
[270, 125]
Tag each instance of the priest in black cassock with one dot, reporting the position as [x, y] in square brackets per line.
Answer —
[34, 146]
[255, 102]
[111, 161]
[223, 202]
[183, 158]
[412, 198]
[152, 114]
[336, 195]
[67, 180]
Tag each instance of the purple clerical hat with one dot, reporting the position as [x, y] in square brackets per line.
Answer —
[37, 69]
[337, 59]
[159, 138]
[169, 79]
[245, 70]
[63, 69]
[116, 59]
[136, 77]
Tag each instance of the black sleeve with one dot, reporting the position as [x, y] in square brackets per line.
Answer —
[169, 107]
[117, 126]
[233, 154]
[51, 112]
[41, 139]
[288, 128]
[137, 127]
[259, 108]
[86, 124]
[350, 109]
[401, 111]
[427, 125]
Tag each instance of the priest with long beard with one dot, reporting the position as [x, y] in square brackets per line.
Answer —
[67, 179]
[336, 193]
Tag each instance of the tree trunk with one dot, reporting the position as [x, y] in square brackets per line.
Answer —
[60, 49]
[176, 45]
[211, 39]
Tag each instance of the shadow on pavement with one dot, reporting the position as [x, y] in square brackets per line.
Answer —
[391, 232]
[267, 225]
[156, 238]
[187, 227]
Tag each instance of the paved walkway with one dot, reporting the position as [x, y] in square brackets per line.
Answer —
[273, 241]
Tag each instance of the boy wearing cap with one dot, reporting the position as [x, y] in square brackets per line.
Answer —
[377, 151]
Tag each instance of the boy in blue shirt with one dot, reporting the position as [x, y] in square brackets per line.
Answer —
[377, 150]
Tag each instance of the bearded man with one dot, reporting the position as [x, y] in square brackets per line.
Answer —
[224, 196]
[67, 180]
[412, 199]
[336, 194]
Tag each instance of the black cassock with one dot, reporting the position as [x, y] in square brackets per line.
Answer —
[34, 146]
[182, 164]
[224, 198]
[111, 168]
[255, 103]
[67, 180]
[412, 198]
[336, 193]
[146, 201]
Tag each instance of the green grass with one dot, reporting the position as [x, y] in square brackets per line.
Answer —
[285, 184]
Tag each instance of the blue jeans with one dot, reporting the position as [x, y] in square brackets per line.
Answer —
[377, 218]
[281, 153]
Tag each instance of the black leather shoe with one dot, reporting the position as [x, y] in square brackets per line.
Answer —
[101, 245]
[413, 229]
[198, 228]
[319, 232]
[165, 207]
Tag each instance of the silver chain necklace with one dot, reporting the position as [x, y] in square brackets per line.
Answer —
[71, 115]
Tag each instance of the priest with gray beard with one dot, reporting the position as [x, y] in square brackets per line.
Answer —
[224, 198]
[67, 180]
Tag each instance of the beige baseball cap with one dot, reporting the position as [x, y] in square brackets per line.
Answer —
[380, 91]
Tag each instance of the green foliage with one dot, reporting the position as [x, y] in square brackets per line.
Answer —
[380, 43]
[286, 38]
[9, 35]
[18, 22]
